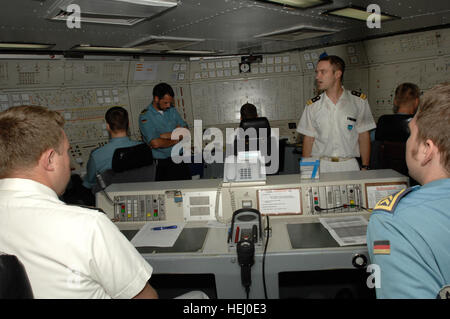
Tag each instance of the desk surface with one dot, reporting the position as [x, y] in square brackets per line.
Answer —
[202, 250]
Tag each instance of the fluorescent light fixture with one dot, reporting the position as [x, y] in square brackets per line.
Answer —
[152, 3]
[35, 46]
[357, 13]
[88, 48]
[190, 52]
[115, 12]
[128, 21]
[302, 4]
[296, 33]
[162, 43]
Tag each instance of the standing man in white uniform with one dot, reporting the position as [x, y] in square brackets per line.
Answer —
[336, 123]
[67, 251]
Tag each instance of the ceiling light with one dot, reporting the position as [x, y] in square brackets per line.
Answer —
[153, 3]
[302, 4]
[35, 46]
[357, 13]
[190, 52]
[88, 48]
[163, 43]
[296, 33]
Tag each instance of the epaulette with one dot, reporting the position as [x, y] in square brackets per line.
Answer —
[389, 203]
[314, 99]
[144, 111]
[359, 94]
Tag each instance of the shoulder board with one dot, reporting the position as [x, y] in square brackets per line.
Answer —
[314, 99]
[359, 94]
[144, 111]
[89, 207]
[389, 203]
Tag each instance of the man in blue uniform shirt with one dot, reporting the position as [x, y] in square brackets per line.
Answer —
[100, 159]
[408, 233]
[157, 123]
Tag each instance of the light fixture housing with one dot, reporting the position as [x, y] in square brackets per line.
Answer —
[25, 46]
[298, 32]
[163, 43]
[357, 13]
[299, 4]
[88, 48]
[190, 52]
[114, 12]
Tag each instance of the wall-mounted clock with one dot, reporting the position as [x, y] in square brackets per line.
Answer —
[244, 67]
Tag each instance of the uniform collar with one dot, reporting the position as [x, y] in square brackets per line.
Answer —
[437, 183]
[119, 139]
[26, 185]
[343, 97]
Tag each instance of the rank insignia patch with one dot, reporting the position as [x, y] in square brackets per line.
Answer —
[381, 247]
[389, 203]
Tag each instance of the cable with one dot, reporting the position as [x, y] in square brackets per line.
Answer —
[319, 209]
[246, 258]
[264, 257]
[102, 185]
[216, 211]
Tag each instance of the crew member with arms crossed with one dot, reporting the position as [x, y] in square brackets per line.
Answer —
[157, 124]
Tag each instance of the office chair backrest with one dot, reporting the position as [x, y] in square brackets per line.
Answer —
[129, 165]
[392, 155]
[127, 158]
[390, 142]
[14, 283]
[393, 127]
[257, 123]
[273, 146]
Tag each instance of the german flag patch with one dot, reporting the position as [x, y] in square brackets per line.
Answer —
[389, 203]
[381, 247]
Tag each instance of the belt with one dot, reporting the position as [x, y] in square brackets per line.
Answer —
[336, 159]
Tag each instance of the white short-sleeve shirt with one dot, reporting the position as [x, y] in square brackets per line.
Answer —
[336, 127]
[67, 251]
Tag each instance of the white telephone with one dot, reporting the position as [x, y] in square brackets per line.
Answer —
[246, 167]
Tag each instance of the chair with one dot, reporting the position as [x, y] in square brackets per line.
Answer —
[393, 127]
[390, 143]
[129, 165]
[14, 283]
[257, 123]
[272, 144]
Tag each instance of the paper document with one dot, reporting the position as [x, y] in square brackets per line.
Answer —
[154, 234]
[349, 230]
[279, 201]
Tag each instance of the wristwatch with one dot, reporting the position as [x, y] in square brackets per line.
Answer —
[365, 166]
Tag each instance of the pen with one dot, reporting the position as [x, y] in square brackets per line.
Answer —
[164, 227]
